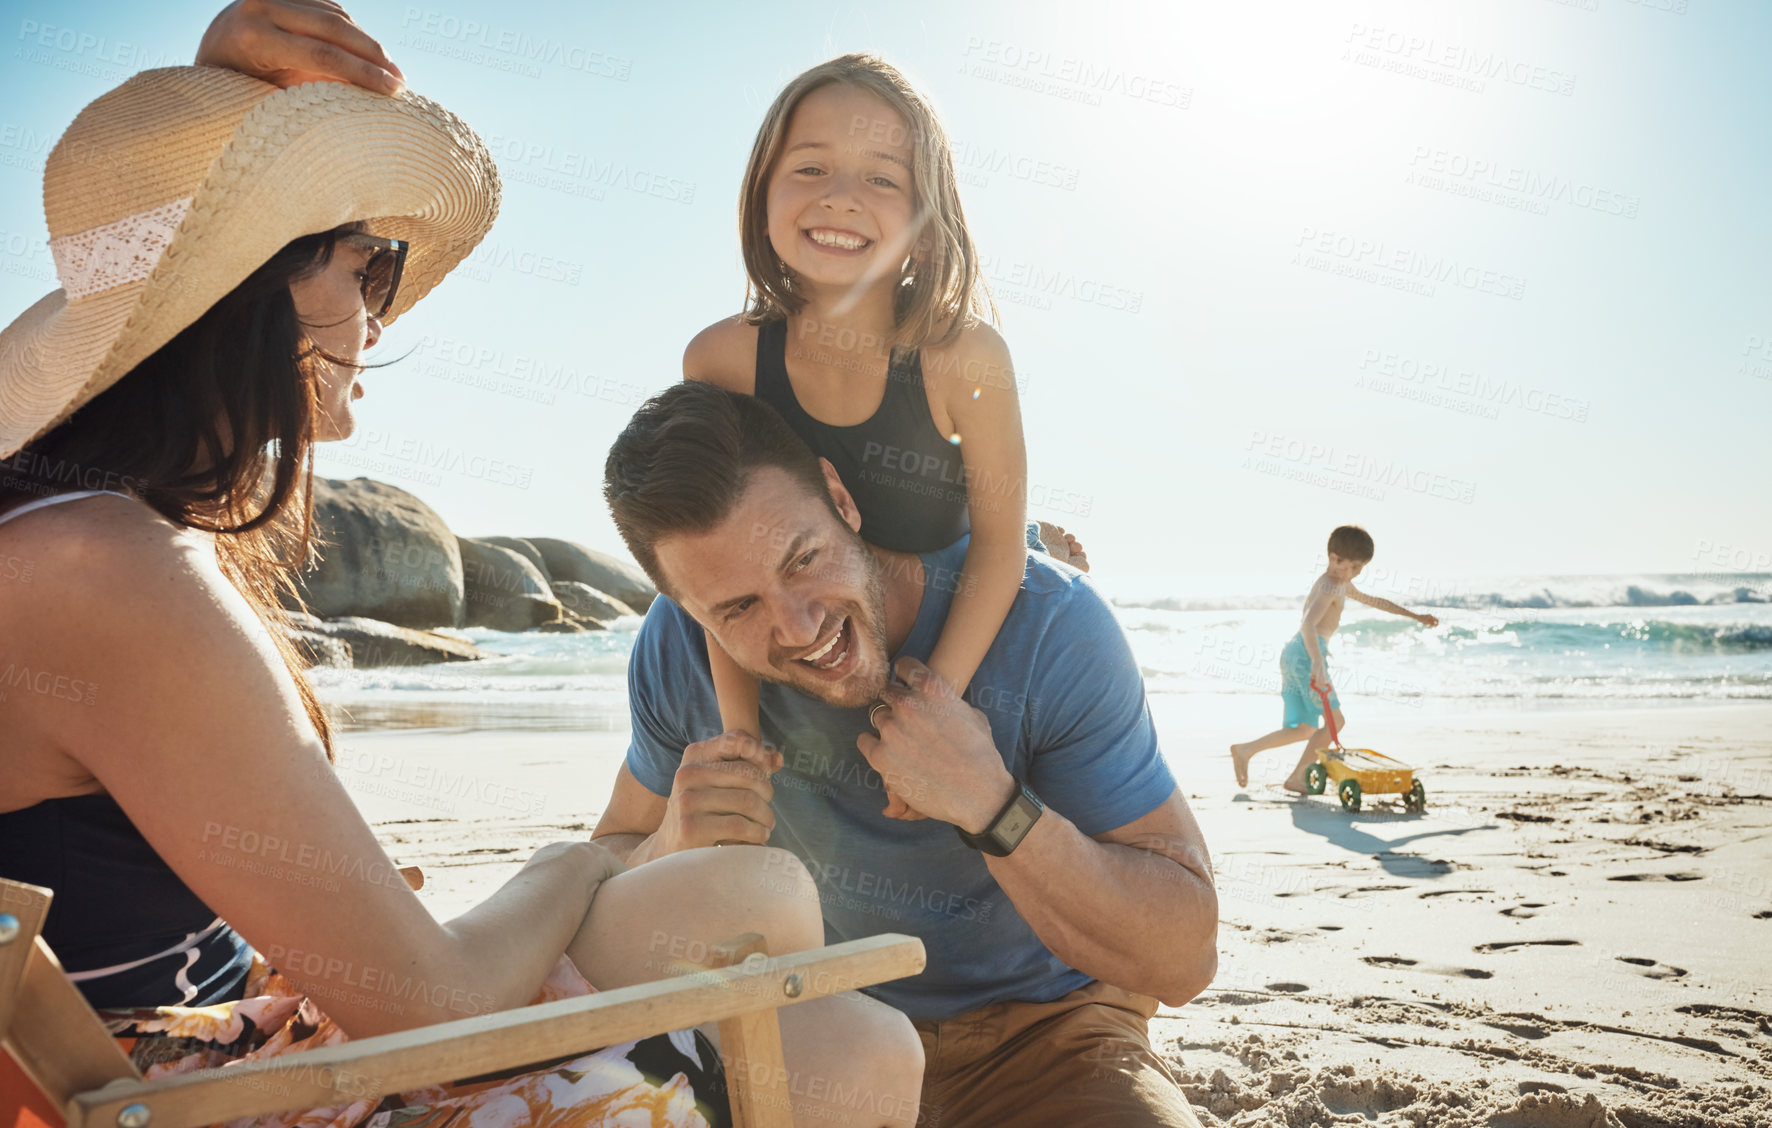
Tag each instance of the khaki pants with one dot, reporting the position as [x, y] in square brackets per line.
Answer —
[1080, 1061]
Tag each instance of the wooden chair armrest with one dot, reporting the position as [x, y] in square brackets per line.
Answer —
[389, 1063]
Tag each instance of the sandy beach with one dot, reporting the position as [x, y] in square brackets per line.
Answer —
[1574, 933]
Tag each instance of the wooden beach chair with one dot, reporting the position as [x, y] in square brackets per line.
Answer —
[53, 1042]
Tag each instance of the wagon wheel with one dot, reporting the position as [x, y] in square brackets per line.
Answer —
[1416, 800]
[1350, 794]
[1316, 779]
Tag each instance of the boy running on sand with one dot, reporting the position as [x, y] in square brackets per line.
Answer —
[1302, 661]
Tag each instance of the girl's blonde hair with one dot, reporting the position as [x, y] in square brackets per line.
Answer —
[943, 290]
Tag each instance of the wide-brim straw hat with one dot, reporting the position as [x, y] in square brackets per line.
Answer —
[169, 191]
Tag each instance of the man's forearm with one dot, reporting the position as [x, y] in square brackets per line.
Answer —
[1132, 917]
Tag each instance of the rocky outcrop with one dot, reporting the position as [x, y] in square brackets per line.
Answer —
[501, 589]
[371, 643]
[607, 574]
[388, 569]
[383, 554]
[522, 548]
[321, 650]
[586, 602]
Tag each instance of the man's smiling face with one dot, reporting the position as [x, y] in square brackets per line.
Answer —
[789, 590]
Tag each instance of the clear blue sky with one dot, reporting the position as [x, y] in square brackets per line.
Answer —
[1487, 277]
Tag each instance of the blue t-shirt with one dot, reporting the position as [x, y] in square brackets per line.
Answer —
[1067, 709]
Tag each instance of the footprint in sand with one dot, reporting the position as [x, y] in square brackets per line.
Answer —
[1521, 1029]
[1524, 911]
[1430, 969]
[1656, 877]
[1372, 889]
[1653, 969]
[1451, 892]
[1502, 945]
[1287, 988]
[1765, 915]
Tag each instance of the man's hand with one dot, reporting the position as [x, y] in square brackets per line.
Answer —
[936, 753]
[721, 793]
[1427, 620]
[289, 42]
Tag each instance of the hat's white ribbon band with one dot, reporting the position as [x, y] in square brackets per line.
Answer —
[103, 258]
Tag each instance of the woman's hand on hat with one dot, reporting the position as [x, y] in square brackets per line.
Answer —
[289, 42]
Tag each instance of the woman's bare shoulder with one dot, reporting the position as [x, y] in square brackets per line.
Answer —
[106, 543]
[724, 354]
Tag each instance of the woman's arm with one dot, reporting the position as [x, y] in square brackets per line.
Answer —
[986, 415]
[193, 725]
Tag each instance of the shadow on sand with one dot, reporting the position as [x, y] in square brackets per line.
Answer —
[1347, 830]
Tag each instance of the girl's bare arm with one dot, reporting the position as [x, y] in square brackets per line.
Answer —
[986, 415]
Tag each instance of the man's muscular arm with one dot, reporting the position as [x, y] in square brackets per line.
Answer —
[1134, 907]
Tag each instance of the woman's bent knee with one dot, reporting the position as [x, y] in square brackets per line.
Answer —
[782, 892]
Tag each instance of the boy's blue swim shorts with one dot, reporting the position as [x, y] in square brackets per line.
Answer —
[1303, 706]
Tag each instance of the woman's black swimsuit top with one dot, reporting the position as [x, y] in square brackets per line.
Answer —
[907, 479]
[128, 932]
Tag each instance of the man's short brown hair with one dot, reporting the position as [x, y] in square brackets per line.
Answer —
[684, 458]
[1350, 542]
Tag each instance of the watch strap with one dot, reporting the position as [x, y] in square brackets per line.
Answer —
[1011, 825]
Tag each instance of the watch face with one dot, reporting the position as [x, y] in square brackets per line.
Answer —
[1017, 820]
[1015, 824]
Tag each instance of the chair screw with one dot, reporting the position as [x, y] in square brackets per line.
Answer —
[8, 928]
[134, 1116]
[791, 986]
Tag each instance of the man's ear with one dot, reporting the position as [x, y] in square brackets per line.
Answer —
[840, 496]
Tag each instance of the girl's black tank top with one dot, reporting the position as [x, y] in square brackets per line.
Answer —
[907, 479]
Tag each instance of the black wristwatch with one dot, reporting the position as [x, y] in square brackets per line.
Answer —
[1011, 825]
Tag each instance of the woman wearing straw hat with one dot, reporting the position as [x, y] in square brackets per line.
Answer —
[227, 251]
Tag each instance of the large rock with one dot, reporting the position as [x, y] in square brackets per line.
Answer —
[587, 602]
[321, 650]
[617, 578]
[571, 624]
[384, 555]
[501, 589]
[373, 643]
[522, 548]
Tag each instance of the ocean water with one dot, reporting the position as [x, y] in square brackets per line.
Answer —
[1504, 642]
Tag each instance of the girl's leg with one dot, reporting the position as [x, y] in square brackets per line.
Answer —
[847, 1054]
[1241, 754]
[736, 690]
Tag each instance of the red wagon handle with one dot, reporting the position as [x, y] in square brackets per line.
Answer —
[1328, 715]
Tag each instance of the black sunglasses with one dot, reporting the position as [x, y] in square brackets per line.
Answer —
[381, 273]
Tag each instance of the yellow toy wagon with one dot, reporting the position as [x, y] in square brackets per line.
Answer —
[1358, 772]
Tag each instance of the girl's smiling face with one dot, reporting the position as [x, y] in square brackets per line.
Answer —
[840, 196]
[329, 305]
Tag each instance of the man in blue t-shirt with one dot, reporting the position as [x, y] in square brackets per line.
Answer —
[1030, 835]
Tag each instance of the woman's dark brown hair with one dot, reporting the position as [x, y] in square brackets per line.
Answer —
[215, 431]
